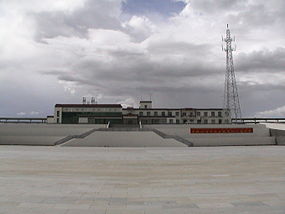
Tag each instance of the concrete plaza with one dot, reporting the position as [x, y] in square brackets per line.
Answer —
[45, 180]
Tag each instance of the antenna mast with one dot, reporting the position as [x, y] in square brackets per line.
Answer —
[231, 99]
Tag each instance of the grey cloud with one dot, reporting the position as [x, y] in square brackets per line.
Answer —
[95, 14]
[213, 6]
[264, 60]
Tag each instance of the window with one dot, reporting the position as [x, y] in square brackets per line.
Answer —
[57, 113]
[213, 114]
[141, 113]
[206, 114]
[169, 113]
[155, 113]
[184, 121]
[163, 113]
[177, 113]
[177, 121]
[184, 114]
[145, 106]
[205, 121]
[213, 121]
[219, 114]
[198, 113]
[199, 121]
[191, 114]
[220, 121]
[148, 113]
[227, 121]
[171, 121]
[57, 120]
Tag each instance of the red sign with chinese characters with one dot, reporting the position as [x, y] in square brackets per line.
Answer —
[220, 130]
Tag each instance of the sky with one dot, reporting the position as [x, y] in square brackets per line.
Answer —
[122, 51]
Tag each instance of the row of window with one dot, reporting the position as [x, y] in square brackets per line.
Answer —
[213, 114]
[191, 114]
[156, 113]
[172, 121]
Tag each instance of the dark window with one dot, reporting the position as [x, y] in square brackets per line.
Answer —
[198, 121]
[163, 113]
[141, 113]
[155, 113]
[191, 114]
[213, 114]
[184, 114]
[171, 121]
[206, 114]
[148, 113]
[219, 114]
[57, 113]
[198, 113]
[169, 113]
[57, 120]
[177, 113]
[145, 106]
[205, 121]
[213, 121]
[177, 121]
[184, 121]
[220, 121]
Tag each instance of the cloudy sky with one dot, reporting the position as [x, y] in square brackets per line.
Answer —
[121, 51]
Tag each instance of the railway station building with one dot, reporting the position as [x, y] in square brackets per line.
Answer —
[145, 113]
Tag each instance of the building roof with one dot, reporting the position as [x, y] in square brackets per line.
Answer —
[89, 105]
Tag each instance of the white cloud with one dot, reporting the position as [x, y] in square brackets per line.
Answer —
[21, 113]
[33, 113]
[140, 27]
[278, 112]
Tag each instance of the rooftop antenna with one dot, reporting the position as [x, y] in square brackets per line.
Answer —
[93, 101]
[231, 98]
[84, 100]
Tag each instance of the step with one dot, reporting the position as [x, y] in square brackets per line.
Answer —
[124, 139]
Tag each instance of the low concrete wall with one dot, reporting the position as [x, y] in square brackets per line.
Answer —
[279, 126]
[44, 129]
[40, 134]
[278, 132]
[184, 130]
[124, 139]
[260, 135]
[30, 140]
[280, 140]
[234, 141]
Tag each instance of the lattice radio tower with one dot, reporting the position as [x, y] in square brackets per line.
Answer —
[231, 99]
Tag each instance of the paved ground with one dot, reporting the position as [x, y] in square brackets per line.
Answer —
[212, 180]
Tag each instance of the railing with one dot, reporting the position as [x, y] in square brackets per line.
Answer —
[259, 120]
[22, 120]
